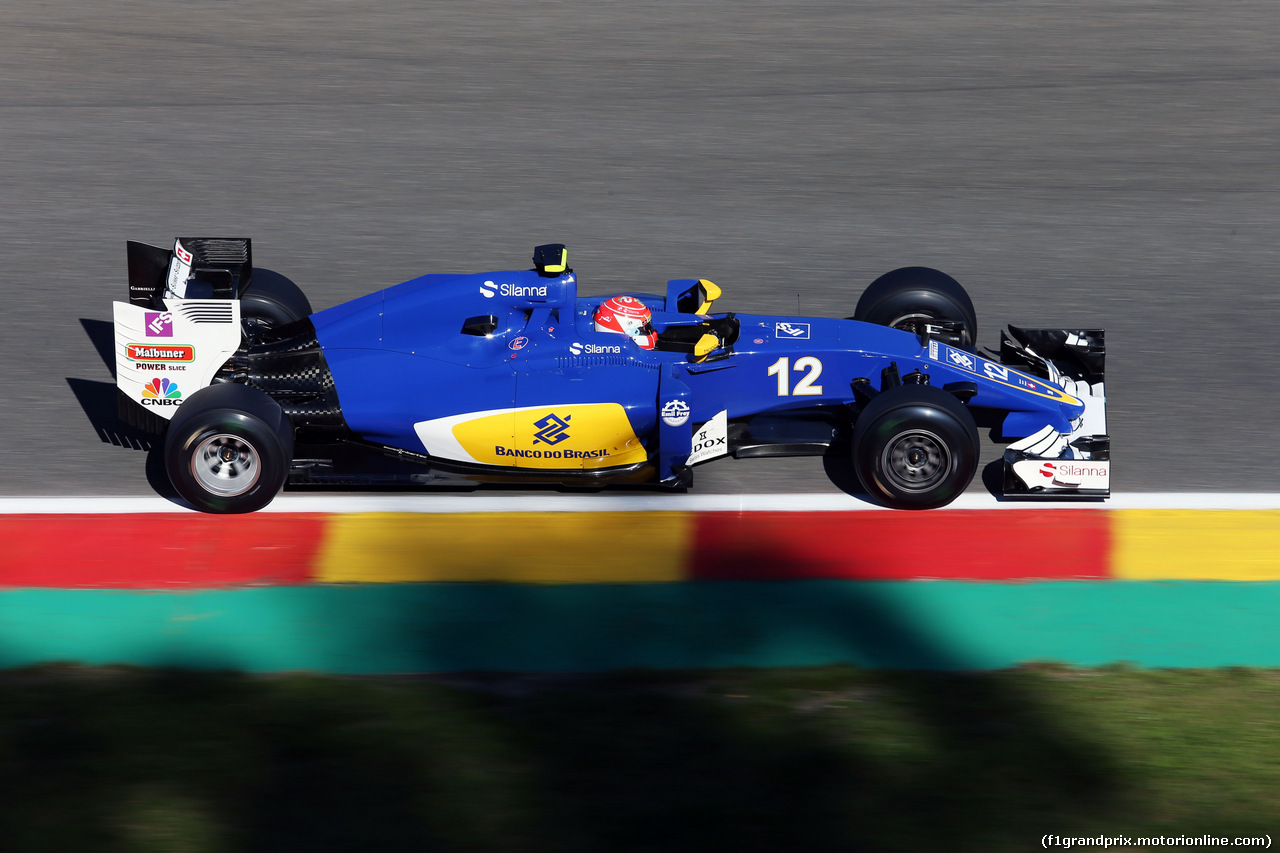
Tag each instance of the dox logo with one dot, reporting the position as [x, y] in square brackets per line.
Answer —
[159, 325]
[551, 430]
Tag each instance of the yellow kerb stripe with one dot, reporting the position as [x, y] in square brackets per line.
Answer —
[1236, 545]
[551, 548]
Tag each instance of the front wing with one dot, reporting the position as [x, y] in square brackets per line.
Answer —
[1050, 463]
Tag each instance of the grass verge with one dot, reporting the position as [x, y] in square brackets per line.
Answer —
[826, 759]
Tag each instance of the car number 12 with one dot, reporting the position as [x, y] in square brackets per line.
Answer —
[804, 387]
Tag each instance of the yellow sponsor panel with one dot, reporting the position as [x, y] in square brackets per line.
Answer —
[594, 435]
[1237, 545]
[543, 548]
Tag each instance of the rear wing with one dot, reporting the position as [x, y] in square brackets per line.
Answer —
[196, 268]
[164, 356]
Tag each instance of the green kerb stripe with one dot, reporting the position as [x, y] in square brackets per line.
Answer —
[449, 627]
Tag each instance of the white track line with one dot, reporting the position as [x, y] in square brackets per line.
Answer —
[464, 502]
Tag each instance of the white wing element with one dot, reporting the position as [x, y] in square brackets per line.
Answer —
[712, 440]
[1079, 461]
[1050, 463]
[163, 357]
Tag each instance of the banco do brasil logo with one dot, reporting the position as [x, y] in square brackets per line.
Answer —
[161, 392]
[551, 429]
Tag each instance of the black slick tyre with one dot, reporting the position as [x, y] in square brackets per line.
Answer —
[228, 449]
[911, 296]
[270, 302]
[915, 447]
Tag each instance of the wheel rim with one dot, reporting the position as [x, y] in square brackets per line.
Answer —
[911, 322]
[916, 460]
[916, 323]
[225, 465]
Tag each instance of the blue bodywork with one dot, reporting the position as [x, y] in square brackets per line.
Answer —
[404, 356]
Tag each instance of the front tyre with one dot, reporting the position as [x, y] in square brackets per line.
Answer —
[228, 449]
[915, 447]
[911, 297]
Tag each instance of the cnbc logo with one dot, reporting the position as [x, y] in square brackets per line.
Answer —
[551, 429]
[161, 392]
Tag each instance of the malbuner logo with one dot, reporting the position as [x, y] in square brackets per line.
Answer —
[150, 352]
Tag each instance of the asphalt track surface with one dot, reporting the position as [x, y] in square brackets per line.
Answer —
[1098, 164]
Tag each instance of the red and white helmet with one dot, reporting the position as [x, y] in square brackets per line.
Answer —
[625, 315]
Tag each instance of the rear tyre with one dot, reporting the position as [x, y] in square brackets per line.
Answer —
[270, 302]
[228, 449]
[915, 447]
[910, 297]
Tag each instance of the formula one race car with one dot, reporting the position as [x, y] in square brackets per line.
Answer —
[512, 377]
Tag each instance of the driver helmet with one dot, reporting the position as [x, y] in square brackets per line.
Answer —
[626, 315]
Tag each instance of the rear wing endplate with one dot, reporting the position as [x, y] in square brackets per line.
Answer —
[195, 268]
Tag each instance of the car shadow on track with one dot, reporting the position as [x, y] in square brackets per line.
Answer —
[102, 335]
[100, 402]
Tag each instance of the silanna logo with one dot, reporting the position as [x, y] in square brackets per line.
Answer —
[489, 290]
[591, 349]
[161, 392]
[551, 429]
[1069, 470]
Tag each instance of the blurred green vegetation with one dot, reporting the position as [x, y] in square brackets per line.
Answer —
[828, 759]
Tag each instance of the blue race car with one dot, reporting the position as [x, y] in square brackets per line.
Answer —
[506, 377]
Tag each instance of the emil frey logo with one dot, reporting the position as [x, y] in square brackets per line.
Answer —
[961, 359]
[792, 330]
[675, 413]
[159, 325]
[551, 429]
[161, 392]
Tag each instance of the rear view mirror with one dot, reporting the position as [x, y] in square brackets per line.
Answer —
[551, 259]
